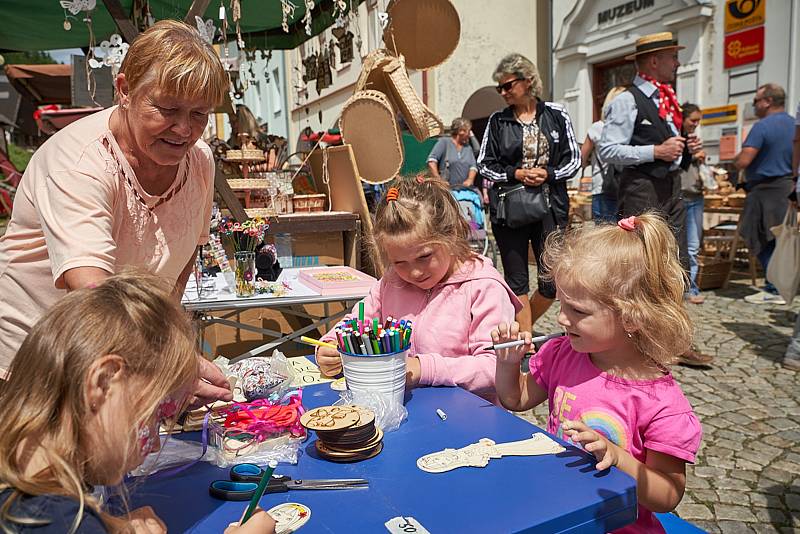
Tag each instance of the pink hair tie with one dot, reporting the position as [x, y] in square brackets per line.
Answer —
[629, 224]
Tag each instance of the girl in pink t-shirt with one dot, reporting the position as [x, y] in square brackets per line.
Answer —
[607, 382]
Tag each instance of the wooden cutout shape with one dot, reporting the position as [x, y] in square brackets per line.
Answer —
[330, 418]
[339, 385]
[366, 416]
[289, 516]
[478, 454]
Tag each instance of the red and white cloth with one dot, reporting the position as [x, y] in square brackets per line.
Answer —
[668, 106]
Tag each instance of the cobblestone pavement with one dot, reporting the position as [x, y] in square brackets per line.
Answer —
[747, 476]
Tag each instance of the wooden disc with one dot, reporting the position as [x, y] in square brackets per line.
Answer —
[330, 418]
[366, 416]
[347, 457]
[376, 438]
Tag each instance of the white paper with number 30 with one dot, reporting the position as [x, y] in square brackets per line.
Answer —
[403, 525]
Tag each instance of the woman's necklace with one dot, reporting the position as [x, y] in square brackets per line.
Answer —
[529, 112]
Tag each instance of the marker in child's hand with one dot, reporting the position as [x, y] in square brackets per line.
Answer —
[517, 343]
[262, 486]
[317, 343]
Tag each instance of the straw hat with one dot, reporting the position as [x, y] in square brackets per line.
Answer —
[655, 42]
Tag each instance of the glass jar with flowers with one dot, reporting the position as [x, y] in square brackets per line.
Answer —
[244, 238]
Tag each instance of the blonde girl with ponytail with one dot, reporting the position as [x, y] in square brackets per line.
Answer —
[607, 380]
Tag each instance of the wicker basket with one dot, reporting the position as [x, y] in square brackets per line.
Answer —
[736, 201]
[267, 193]
[712, 272]
[713, 201]
[309, 203]
[368, 124]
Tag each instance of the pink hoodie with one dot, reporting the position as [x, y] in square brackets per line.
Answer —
[452, 323]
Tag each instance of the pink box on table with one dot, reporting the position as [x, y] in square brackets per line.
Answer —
[336, 280]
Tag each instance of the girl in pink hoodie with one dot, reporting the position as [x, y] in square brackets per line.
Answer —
[454, 296]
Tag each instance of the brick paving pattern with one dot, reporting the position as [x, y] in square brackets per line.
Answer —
[747, 476]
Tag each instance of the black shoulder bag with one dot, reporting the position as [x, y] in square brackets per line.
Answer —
[518, 205]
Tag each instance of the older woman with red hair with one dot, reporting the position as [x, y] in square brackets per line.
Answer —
[130, 186]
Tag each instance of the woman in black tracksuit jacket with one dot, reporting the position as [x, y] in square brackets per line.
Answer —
[530, 142]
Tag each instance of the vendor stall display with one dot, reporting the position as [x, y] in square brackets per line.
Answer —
[722, 206]
[724, 194]
[421, 34]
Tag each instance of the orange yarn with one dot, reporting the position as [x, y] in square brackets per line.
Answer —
[392, 194]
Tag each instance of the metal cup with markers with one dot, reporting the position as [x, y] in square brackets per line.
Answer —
[374, 354]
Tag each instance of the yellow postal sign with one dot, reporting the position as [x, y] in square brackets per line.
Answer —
[741, 14]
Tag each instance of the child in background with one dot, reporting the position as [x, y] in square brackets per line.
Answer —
[453, 296]
[607, 383]
[86, 393]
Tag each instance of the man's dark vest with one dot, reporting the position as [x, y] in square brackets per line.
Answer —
[645, 134]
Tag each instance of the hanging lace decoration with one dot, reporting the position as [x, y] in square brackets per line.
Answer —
[307, 17]
[206, 29]
[287, 11]
[353, 16]
[114, 51]
[236, 14]
[223, 29]
[73, 7]
[339, 11]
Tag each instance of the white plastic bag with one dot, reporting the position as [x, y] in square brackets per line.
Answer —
[260, 377]
[173, 453]
[709, 183]
[388, 413]
[784, 266]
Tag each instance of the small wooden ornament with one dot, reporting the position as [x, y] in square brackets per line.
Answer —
[336, 456]
[478, 454]
[289, 516]
[368, 446]
[330, 418]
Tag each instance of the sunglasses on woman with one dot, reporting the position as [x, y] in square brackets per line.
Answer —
[507, 86]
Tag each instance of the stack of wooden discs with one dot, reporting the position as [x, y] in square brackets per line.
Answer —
[344, 433]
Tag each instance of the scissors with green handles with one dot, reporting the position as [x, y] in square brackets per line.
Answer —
[245, 477]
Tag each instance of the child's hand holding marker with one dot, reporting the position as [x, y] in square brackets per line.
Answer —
[366, 337]
[260, 523]
[329, 361]
[505, 334]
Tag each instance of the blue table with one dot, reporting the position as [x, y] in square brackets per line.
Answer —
[552, 493]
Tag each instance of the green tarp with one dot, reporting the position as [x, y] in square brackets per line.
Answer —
[39, 24]
[416, 154]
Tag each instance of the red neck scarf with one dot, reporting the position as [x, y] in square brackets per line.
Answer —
[668, 107]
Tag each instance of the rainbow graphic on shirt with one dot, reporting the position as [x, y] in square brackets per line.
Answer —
[607, 424]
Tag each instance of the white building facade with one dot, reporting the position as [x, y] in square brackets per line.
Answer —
[487, 34]
[592, 37]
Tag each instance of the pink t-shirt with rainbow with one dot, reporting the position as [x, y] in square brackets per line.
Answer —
[637, 415]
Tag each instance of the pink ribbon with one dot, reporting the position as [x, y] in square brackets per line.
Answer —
[629, 224]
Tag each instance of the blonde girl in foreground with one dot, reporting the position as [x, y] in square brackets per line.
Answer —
[607, 381]
[87, 391]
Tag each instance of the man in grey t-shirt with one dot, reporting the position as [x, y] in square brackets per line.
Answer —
[452, 159]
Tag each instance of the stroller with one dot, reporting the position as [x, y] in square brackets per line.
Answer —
[470, 202]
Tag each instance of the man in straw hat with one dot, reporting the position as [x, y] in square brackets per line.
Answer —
[643, 135]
